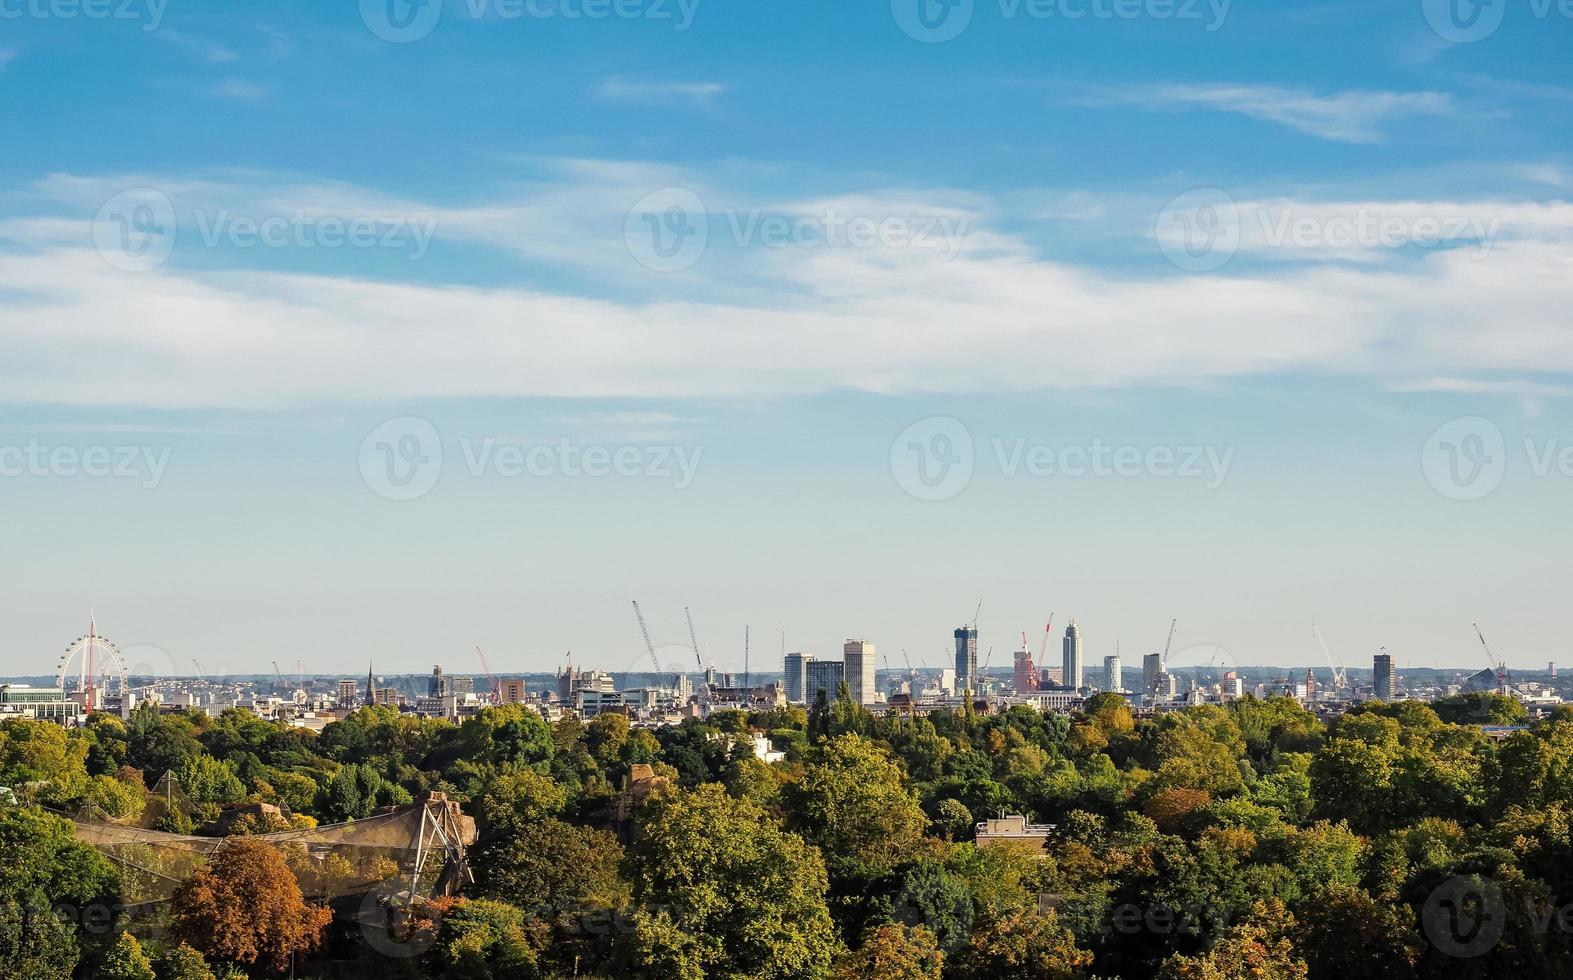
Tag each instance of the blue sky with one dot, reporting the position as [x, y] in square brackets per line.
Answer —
[307, 331]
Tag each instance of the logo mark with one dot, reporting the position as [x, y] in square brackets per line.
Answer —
[932, 459]
[932, 21]
[1464, 917]
[667, 230]
[401, 21]
[1464, 21]
[1199, 231]
[1465, 459]
[135, 230]
[401, 459]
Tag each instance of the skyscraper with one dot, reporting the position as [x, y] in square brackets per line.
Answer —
[1072, 659]
[438, 687]
[1111, 673]
[1382, 677]
[797, 677]
[857, 658]
[1152, 676]
[1024, 676]
[967, 658]
[823, 675]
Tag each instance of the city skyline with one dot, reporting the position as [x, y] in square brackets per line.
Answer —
[766, 658]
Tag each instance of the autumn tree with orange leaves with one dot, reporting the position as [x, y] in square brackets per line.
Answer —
[246, 907]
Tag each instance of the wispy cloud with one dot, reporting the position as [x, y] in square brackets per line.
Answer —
[209, 51]
[1351, 116]
[997, 316]
[645, 91]
[238, 89]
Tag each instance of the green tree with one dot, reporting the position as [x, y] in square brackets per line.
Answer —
[126, 961]
[482, 939]
[47, 871]
[893, 952]
[1025, 944]
[184, 963]
[721, 889]
[852, 800]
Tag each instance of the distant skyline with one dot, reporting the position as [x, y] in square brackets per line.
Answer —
[331, 338]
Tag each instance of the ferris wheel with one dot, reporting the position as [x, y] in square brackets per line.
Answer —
[91, 656]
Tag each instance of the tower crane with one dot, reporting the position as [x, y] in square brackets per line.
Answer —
[648, 644]
[1340, 679]
[691, 638]
[1048, 628]
[1498, 667]
[1169, 642]
[490, 680]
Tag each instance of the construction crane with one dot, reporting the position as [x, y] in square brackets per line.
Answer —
[492, 695]
[1170, 641]
[693, 639]
[1048, 628]
[1498, 667]
[1340, 679]
[649, 645]
[283, 684]
[975, 614]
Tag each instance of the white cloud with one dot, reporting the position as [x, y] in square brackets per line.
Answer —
[239, 90]
[743, 321]
[1353, 116]
[208, 51]
[645, 91]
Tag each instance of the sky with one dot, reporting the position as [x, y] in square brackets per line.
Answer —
[380, 332]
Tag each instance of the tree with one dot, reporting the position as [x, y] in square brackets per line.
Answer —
[184, 963]
[853, 802]
[48, 871]
[566, 876]
[721, 889]
[1257, 948]
[1025, 944]
[894, 952]
[482, 939]
[126, 961]
[247, 907]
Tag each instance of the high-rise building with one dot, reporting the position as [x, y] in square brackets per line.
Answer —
[1072, 659]
[1152, 671]
[823, 675]
[857, 658]
[967, 658]
[510, 691]
[346, 693]
[797, 677]
[1382, 676]
[1025, 673]
[438, 686]
[1111, 673]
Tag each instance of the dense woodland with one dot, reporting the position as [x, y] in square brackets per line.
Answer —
[1251, 840]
